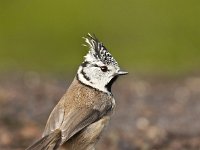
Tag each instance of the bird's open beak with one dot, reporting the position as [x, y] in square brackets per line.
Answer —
[120, 72]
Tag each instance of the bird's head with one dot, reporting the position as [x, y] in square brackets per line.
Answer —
[99, 69]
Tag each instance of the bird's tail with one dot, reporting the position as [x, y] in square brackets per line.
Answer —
[48, 142]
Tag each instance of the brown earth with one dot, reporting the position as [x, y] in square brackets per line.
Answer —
[151, 113]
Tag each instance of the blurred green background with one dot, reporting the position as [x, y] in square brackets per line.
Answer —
[146, 36]
[156, 41]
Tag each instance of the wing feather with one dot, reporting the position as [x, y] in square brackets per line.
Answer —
[70, 122]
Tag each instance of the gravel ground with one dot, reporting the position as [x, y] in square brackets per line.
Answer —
[151, 113]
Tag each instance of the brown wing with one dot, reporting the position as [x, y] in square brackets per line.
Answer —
[87, 138]
[48, 142]
[71, 120]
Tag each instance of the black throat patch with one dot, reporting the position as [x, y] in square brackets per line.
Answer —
[109, 85]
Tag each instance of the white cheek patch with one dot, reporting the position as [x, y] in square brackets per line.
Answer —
[96, 78]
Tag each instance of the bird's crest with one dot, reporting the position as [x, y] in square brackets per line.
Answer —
[98, 51]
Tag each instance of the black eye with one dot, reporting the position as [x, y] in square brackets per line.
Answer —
[104, 68]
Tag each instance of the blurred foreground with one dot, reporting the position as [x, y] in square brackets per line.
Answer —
[151, 113]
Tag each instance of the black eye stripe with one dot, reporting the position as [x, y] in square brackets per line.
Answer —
[103, 68]
[95, 65]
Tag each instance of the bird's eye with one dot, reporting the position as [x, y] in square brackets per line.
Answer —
[104, 68]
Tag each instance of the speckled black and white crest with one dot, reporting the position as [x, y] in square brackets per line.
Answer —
[99, 51]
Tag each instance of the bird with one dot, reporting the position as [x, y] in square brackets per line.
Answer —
[79, 118]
